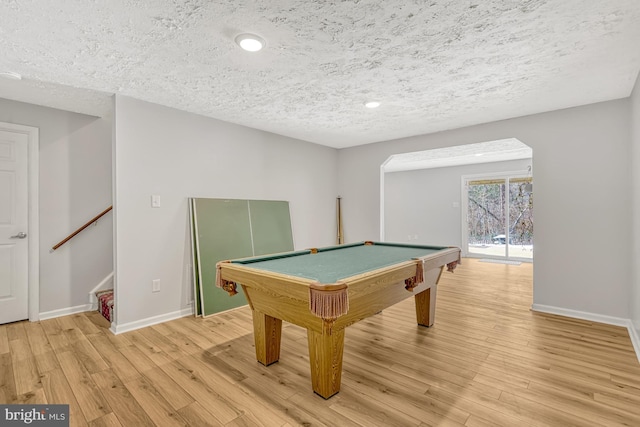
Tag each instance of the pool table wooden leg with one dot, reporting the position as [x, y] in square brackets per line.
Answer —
[267, 332]
[426, 306]
[325, 357]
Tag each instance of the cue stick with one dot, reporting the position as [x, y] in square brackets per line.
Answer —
[339, 214]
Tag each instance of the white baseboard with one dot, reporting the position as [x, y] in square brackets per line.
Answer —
[65, 311]
[599, 318]
[635, 339]
[609, 320]
[132, 326]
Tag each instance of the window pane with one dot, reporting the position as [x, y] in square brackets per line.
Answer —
[521, 218]
[486, 218]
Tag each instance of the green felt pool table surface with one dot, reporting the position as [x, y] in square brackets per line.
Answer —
[325, 290]
[333, 263]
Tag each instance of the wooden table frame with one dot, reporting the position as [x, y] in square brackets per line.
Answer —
[275, 297]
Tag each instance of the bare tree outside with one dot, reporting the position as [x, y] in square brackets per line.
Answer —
[520, 212]
[486, 212]
[488, 219]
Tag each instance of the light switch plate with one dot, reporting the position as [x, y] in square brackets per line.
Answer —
[155, 201]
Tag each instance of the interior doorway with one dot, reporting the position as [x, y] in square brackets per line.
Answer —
[499, 216]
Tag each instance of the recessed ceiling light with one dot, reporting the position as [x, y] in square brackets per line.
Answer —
[10, 75]
[250, 42]
[372, 104]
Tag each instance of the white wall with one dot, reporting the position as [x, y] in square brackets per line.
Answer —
[635, 260]
[420, 202]
[177, 155]
[75, 185]
[582, 206]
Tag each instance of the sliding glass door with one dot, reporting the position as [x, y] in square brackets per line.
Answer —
[499, 216]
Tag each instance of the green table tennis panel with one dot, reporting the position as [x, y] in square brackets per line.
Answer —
[195, 267]
[270, 226]
[229, 229]
[222, 232]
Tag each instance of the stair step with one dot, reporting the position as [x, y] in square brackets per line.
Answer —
[105, 303]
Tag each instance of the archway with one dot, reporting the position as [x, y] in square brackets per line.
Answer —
[423, 197]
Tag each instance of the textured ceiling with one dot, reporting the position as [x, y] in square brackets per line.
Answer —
[434, 65]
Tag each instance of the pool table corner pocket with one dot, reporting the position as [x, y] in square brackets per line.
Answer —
[227, 285]
[328, 301]
[414, 281]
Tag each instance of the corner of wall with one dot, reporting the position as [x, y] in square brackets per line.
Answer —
[635, 338]
[609, 320]
[634, 300]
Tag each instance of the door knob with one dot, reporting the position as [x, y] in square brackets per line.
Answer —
[20, 235]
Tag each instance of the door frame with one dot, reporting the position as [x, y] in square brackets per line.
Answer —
[464, 206]
[33, 162]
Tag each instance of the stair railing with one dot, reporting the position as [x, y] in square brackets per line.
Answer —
[72, 235]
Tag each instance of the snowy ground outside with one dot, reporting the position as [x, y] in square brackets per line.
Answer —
[515, 251]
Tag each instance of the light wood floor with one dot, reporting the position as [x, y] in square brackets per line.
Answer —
[487, 361]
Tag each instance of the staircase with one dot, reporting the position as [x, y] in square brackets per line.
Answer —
[105, 303]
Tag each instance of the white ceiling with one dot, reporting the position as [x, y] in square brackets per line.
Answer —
[434, 65]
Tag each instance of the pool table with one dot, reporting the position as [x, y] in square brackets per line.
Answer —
[327, 289]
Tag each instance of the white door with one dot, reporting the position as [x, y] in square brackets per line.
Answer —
[14, 262]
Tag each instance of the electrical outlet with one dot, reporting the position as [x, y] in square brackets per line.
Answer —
[155, 287]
